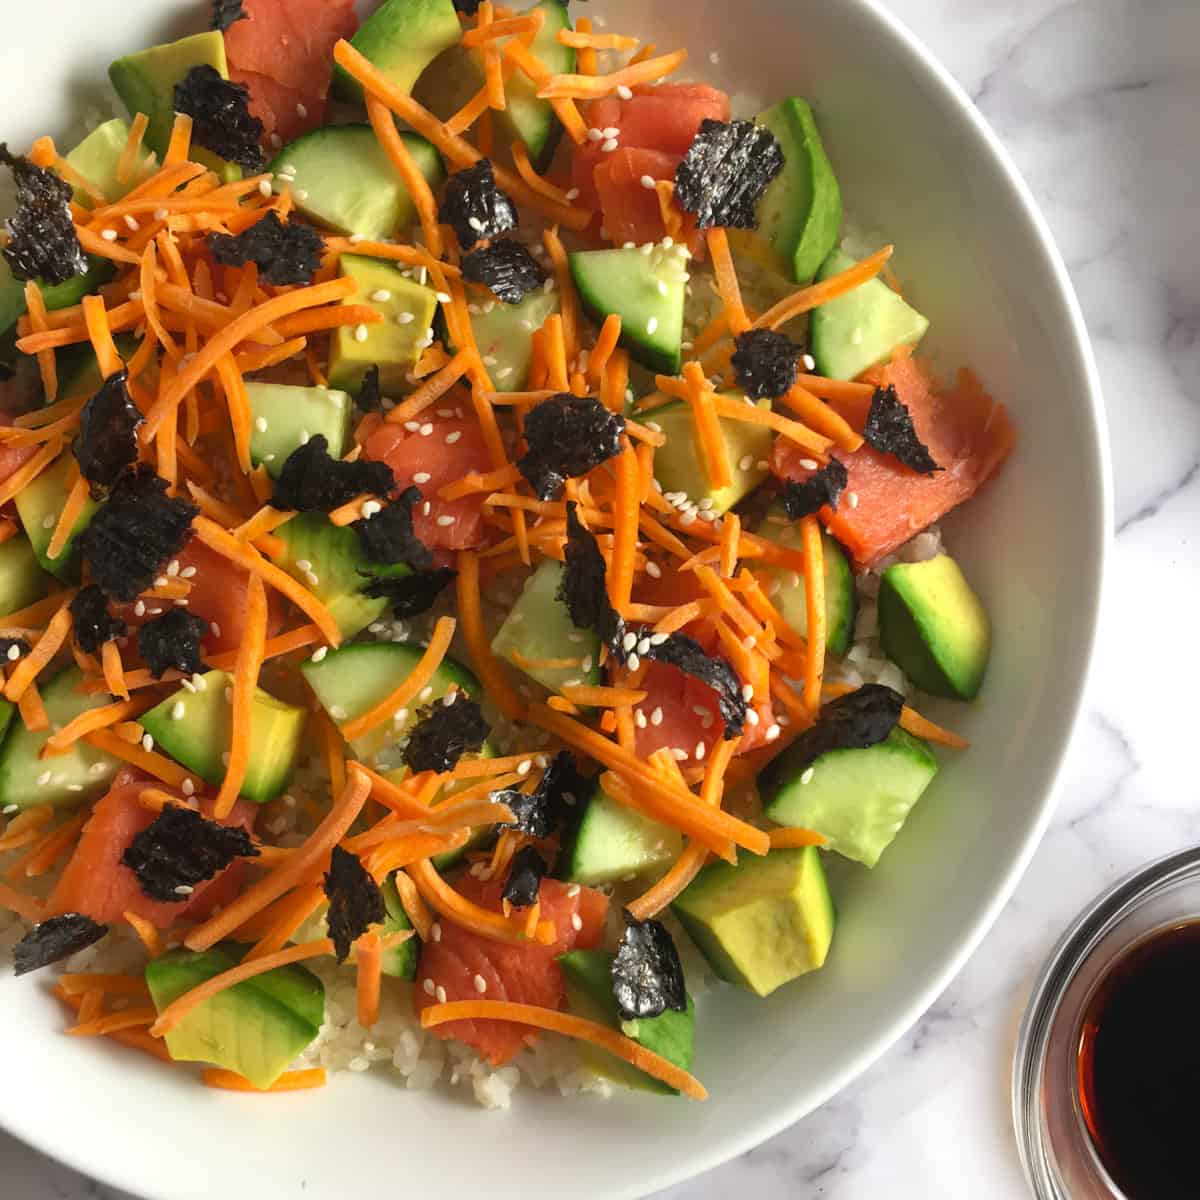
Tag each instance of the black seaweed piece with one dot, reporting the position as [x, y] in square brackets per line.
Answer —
[6, 649]
[94, 624]
[566, 437]
[412, 594]
[475, 207]
[688, 656]
[890, 430]
[544, 811]
[285, 252]
[54, 939]
[852, 722]
[388, 536]
[725, 172]
[469, 7]
[765, 363]
[225, 13]
[42, 243]
[172, 641]
[823, 487]
[180, 849]
[525, 875]
[507, 268]
[370, 394]
[107, 441]
[647, 976]
[355, 901]
[133, 533]
[312, 481]
[221, 120]
[583, 588]
[444, 733]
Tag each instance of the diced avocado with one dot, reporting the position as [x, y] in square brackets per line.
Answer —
[539, 627]
[679, 465]
[503, 334]
[401, 38]
[587, 975]
[934, 628]
[858, 799]
[393, 346]
[286, 416]
[351, 680]
[22, 580]
[646, 290]
[610, 842]
[65, 780]
[841, 598]
[861, 328]
[195, 728]
[800, 212]
[8, 710]
[349, 184]
[55, 296]
[78, 370]
[480, 836]
[146, 83]
[39, 505]
[256, 1028]
[765, 921]
[97, 157]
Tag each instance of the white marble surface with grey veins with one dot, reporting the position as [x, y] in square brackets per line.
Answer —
[1097, 100]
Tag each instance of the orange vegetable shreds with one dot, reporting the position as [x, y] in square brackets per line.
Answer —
[130, 1018]
[147, 934]
[922, 727]
[76, 496]
[245, 684]
[48, 645]
[433, 388]
[835, 389]
[23, 905]
[25, 827]
[249, 361]
[43, 856]
[290, 1081]
[32, 710]
[180, 145]
[567, 296]
[708, 427]
[795, 838]
[370, 978]
[135, 1039]
[489, 30]
[238, 402]
[129, 155]
[819, 416]
[95, 316]
[470, 613]
[306, 861]
[814, 587]
[602, 351]
[25, 474]
[93, 719]
[415, 908]
[626, 506]
[410, 174]
[153, 763]
[263, 521]
[493, 75]
[821, 293]
[727, 281]
[113, 985]
[590, 87]
[470, 112]
[602, 697]
[582, 40]
[47, 365]
[731, 533]
[738, 410]
[442, 898]
[539, 184]
[287, 916]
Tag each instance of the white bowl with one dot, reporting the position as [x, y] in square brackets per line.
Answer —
[915, 160]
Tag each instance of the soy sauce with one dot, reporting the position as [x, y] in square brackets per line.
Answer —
[1139, 1067]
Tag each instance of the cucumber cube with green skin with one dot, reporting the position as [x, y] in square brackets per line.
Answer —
[761, 923]
[39, 505]
[587, 975]
[286, 416]
[858, 799]
[255, 1028]
[98, 156]
[22, 580]
[196, 727]
[609, 842]
[79, 372]
[934, 627]
[502, 333]
[54, 295]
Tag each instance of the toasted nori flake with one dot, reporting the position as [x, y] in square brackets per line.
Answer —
[475, 207]
[525, 876]
[724, 173]
[583, 588]
[388, 536]
[221, 120]
[543, 812]
[688, 655]
[412, 594]
[890, 429]
[180, 849]
[134, 532]
[469, 7]
[285, 252]
[444, 733]
[94, 624]
[172, 641]
[852, 722]
[647, 976]
[107, 441]
[370, 394]
[313, 481]
[567, 436]
[355, 901]
[226, 12]
[765, 363]
[43, 243]
[507, 268]
[54, 939]
[819, 489]
[6, 647]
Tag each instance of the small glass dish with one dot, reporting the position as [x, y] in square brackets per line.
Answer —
[1057, 1151]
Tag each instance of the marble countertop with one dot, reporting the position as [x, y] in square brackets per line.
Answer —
[1097, 102]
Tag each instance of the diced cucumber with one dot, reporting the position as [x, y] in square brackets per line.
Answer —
[39, 505]
[54, 295]
[503, 333]
[22, 580]
[286, 416]
[610, 842]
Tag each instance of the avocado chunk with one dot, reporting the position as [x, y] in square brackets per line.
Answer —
[861, 328]
[39, 505]
[934, 628]
[97, 157]
[146, 83]
[22, 580]
[503, 335]
[349, 184]
[647, 291]
[395, 344]
[679, 465]
[65, 780]
[256, 1028]
[401, 38]
[285, 417]
[800, 212]
[858, 799]
[761, 923]
[195, 728]
[587, 975]
[610, 842]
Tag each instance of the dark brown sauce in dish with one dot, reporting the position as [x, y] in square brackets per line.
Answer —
[1139, 1067]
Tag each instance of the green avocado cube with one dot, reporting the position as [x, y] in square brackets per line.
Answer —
[97, 157]
[22, 580]
[286, 416]
[39, 505]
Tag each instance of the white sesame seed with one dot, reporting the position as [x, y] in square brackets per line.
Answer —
[809, 464]
[161, 214]
[260, 423]
[189, 788]
[810, 363]
[480, 984]
[355, 238]
[654, 570]
[147, 742]
[109, 235]
[476, 224]
[42, 780]
[441, 995]
[633, 662]
[451, 438]
[747, 693]
[303, 564]
[318, 655]
[443, 298]
[656, 717]
[701, 751]
[595, 135]
[131, 223]
[187, 573]
[662, 287]
[49, 521]
[806, 776]
[435, 932]
[361, 333]
[746, 462]
[643, 647]
[425, 694]
[301, 195]
[184, 889]
[426, 508]
[428, 987]
[852, 499]
[576, 922]
[445, 521]
[626, 93]
[652, 326]
[264, 187]
[639, 718]
[679, 753]
[370, 508]
[524, 766]
[177, 710]
[751, 716]
[426, 430]
[422, 477]
[773, 731]
[301, 112]
[573, 194]
[714, 58]
[337, 712]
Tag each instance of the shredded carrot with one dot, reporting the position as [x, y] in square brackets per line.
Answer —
[819, 416]
[794, 838]
[95, 316]
[586, 40]
[414, 907]
[470, 614]
[590, 87]
[91, 720]
[45, 853]
[245, 685]
[708, 426]
[738, 410]
[731, 533]
[602, 697]
[814, 587]
[115, 985]
[291, 1081]
[835, 389]
[23, 905]
[263, 521]
[922, 727]
[627, 504]
[32, 710]
[130, 1018]
[821, 293]
[180, 145]
[444, 899]
[414, 181]
[287, 916]
[26, 826]
[727, 281]
[238, 402]
[171, 773]
[539, 184]
[25, 474]
[567, 296]
[129, 154]
[76, 496]
[48, 645]
[47, 364]
[150, 938]
[433, 388]
[370, 978]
